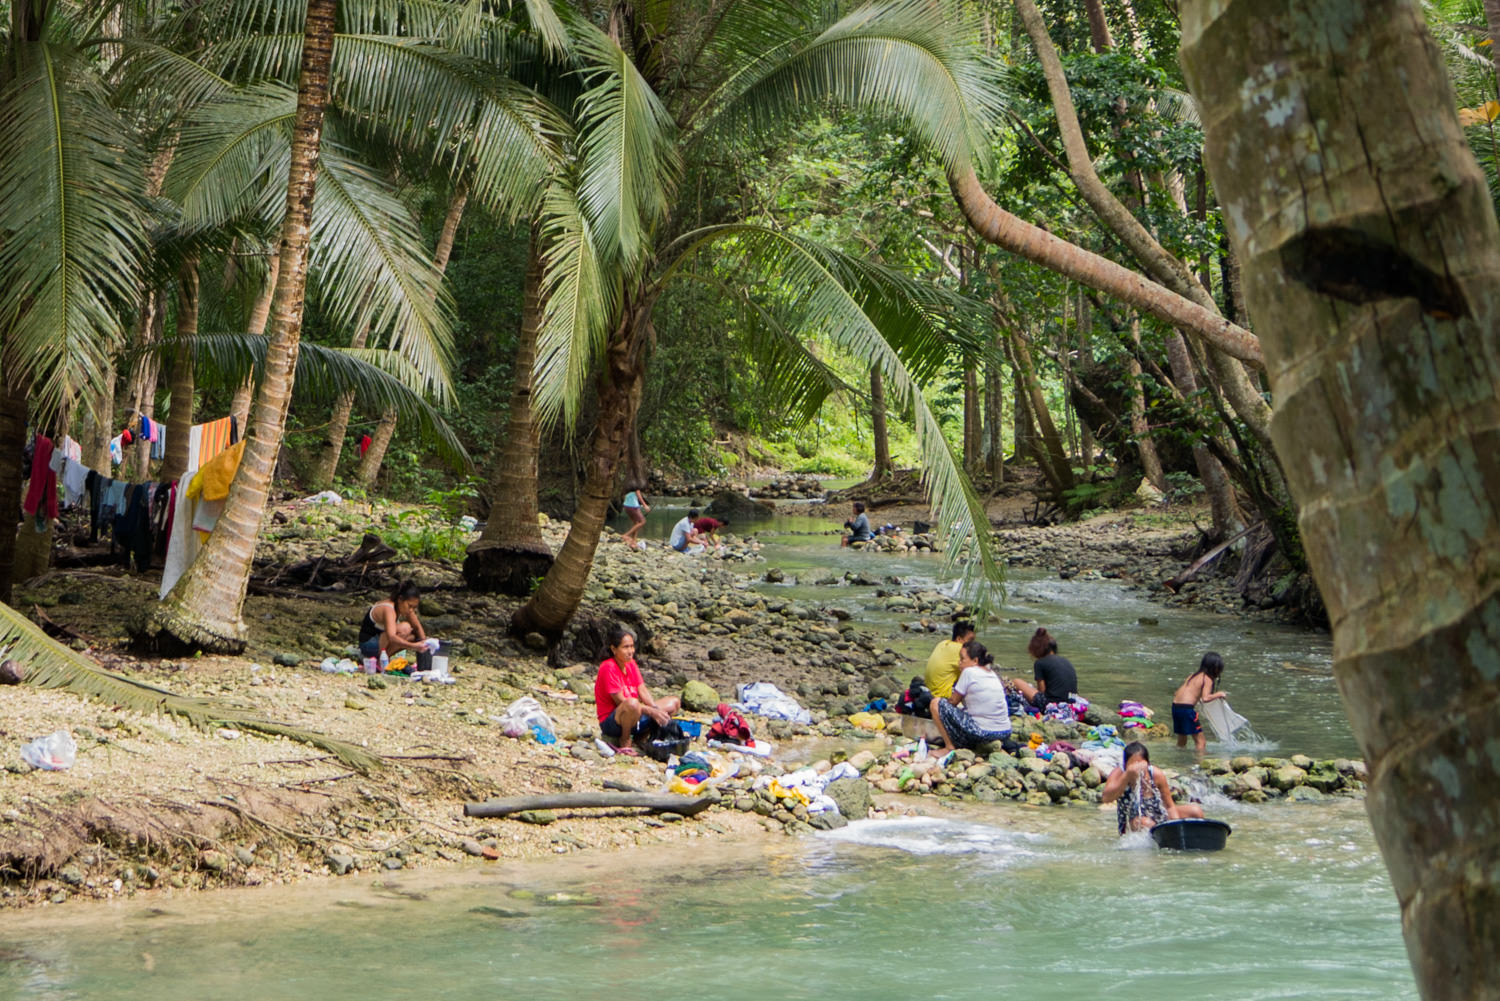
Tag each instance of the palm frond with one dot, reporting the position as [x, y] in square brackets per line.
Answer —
[629, 162]
[880, 318]
[580, 295]
[73, 222]
[1178, 106]
[380, 380]
[370, 266]
[49, 664]
[232, 158]
[915, 59]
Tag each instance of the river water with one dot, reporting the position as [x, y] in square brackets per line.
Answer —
[968, 903]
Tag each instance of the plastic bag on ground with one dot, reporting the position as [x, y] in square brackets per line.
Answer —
[52, 753]
[522, 714]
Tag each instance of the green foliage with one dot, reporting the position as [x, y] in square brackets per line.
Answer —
[1183, 486]
[421, 535]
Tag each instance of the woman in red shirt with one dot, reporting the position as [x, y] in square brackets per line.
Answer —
[626, 710]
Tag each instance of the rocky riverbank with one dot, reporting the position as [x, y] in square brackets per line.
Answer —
[153, 805]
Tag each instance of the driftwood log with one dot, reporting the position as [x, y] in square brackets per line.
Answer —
[687, 806]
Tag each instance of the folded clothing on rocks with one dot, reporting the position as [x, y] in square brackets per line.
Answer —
[764, 699]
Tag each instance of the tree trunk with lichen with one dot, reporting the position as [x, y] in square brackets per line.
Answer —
[203, 610]
[880, 434]
[510, 554]
[1371, 262]
[180, 415]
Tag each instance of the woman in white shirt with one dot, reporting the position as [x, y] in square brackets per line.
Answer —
[977, 712]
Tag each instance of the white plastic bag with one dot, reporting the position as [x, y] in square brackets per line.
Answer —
[524, 713]
[52, 753]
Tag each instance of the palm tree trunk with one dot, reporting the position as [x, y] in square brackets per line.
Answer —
[369, 464]
[143, 376]
[260, 312]
[180, 419]
[338, 424]
[557, 599]
[878, 431]
[1388, 413]
[101, 420]
[510, 553]
[203, 609]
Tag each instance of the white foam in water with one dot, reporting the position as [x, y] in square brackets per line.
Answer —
[1245, 739]
[934, 836]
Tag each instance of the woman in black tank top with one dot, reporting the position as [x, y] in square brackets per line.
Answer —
[392, 624]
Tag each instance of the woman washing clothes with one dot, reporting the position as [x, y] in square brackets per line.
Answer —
[976, 712]
[393, 625]
[1144, 794]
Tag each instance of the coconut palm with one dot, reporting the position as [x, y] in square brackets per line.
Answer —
[663, 91]
[446, 105]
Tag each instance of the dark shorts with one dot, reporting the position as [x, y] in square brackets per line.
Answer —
[370, 647]
[962, 727]
[643, 727]
[1185, 720]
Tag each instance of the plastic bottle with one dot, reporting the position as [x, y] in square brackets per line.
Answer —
[385, 661]
[371, 664]
[542, 734]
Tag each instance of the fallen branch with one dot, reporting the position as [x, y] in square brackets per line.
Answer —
[687, 806]
[1176, 582]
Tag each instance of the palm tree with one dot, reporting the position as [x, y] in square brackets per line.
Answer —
[657, 95]
[1378, 297]
[441, 103]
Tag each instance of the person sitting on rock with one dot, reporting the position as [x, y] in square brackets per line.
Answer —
[393, 624]
[685, 538]
[1056, 679]
[626, 710]
[1143, 791]
[859, 527]
[942, 665]
[1199, 687]
[975, 712]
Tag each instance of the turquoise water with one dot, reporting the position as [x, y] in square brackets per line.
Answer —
[1279, 677]
[1042, 904]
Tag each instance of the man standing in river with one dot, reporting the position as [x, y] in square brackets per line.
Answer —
[942, 666]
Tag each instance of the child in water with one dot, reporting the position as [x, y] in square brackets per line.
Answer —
[1199, 687]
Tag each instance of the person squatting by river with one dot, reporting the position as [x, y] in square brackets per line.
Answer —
[393, 624]
[1144, 794]
[975, 710]
[859, 527]
[1199, 687]
[627, 712]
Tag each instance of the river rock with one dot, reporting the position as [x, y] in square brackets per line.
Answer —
[863, 761]
[213, 861]
[852, 796]
[1057, 787]
[735, 506]
[1305, 794]
[11, 673]
[1303, 762]
[1091, 777]
[1287, 777]
[538, 817]
[828, 820]
[699, 698]
[1242, 763]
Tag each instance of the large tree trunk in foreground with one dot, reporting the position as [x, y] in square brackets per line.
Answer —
[203, 609]
[880, 435]
[1371, 263]
[557, 599]
[180, 417]
[510, 553]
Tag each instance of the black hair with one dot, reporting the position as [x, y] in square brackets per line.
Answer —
[617, 634]
[1132, 749]
[859, 507]
[692, 512]
[981, 656]
[961, 627]
[1041, 644]
[1212, 665]
[407, 590]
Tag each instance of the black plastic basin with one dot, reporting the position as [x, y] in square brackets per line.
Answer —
[1191, 835]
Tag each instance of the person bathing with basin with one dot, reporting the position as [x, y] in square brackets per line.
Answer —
[393, 624]
[1199, 687]
[1144, 794]
[627, 712]
[1054, 674]
[975, 710]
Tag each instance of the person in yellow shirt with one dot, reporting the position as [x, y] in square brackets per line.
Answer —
[942, 666]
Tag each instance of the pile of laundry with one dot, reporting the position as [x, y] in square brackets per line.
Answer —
[1137, 716]
[806, 786]
[764, 699]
